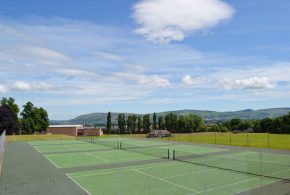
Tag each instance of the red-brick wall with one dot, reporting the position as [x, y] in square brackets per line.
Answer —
[63, 130]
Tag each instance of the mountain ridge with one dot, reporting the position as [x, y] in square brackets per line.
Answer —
[100, 118]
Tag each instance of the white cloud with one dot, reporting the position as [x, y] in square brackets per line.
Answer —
[2, 89]
[250, 83]
[75, 72]
[21, 86]
[154, 81]
[189, 81]
[24, 86]
[42, 87]
[172, 20]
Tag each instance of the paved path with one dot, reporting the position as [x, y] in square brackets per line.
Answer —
[27, 172]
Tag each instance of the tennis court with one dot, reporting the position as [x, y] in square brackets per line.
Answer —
[184, 169]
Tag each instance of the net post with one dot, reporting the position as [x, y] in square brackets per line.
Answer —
[173, 153]
[168, 154]
[120, 145]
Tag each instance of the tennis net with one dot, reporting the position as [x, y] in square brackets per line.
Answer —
[253, 163]
[149, 150]
[110, 144]
[85, 139]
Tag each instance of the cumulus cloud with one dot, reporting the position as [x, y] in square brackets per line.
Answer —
[23, 86]
[189, 81]
[154, 81]
[250, 83]
[172, 20]
[2, 89]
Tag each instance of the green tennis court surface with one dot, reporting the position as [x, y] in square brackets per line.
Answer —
[163, 179]
[68, 147]
[185, 169]
[95, 158]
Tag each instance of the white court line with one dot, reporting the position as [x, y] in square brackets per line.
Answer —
[161, 166]
[103, 159]
[51, 161]
[119, 168]
[95, 174]
[78, 184]
[223, 186]
[157, 178]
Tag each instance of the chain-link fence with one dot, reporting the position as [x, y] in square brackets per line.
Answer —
[2, 146]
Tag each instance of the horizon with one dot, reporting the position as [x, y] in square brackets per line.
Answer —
[167, 112]
[143, 56]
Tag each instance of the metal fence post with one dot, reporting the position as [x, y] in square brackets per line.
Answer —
[268, 138]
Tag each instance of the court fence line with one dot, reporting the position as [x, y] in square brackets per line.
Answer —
[2, 148]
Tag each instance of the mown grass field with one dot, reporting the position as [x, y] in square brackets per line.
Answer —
[10, 138]
[259, 140]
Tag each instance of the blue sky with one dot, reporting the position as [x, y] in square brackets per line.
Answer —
[78, 57]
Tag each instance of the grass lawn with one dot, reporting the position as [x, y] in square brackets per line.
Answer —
[10, 138]
[259, 140]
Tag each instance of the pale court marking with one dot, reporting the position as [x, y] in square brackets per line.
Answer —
[117, 168]
[96, 163]
[78, 184]
[51, 162]
[91, 155]
[95, 174]
[157, 178]
[45, 157]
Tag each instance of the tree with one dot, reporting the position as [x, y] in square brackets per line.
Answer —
[171, 121]
[154, 121]
[139, 124]
[181, 124]
[146, 122]
[161, 122]
[197, 121]
[234, 123]
[109, 123]
[27, 110]
[8, 120]
[34, 119]
[11, 103]
[121, 123]
[266, 125]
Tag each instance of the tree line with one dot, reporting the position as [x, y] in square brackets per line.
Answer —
[143, 124]
[30, 120]
[195, 123]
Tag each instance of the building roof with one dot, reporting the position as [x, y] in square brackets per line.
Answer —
[80, 126]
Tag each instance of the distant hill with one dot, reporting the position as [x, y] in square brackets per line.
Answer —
[101, 118]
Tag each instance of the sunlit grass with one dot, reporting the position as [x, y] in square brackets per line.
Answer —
[11, 138]
[259, 140]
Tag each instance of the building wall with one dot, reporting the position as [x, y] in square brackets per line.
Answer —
[91, 132]
[63, 130]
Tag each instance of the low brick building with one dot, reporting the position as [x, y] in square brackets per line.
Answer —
[74, 130]
[65, 129]
[90, 132]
